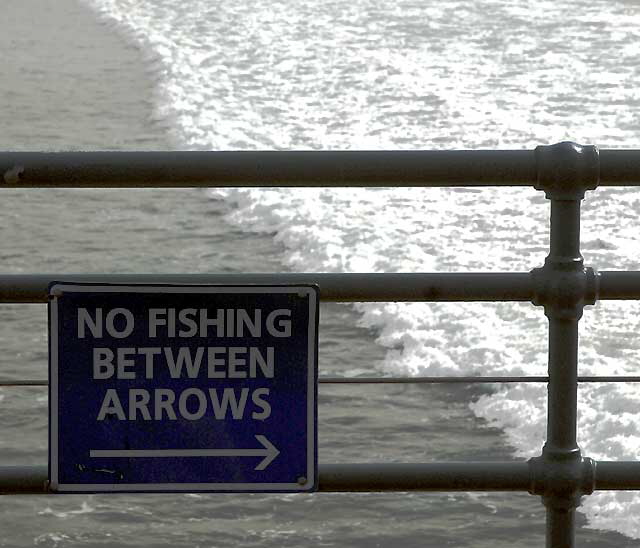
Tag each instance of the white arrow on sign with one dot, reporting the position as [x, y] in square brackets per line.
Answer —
[269, 452]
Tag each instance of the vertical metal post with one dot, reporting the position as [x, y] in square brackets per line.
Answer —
[561, 445]
[564, 257]
[561, 526]
[563, 286]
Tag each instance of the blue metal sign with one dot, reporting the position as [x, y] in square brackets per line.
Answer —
[182, 388]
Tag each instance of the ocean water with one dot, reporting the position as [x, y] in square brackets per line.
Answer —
[155, 74]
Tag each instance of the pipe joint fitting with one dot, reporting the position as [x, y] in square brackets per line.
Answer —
[566, 170]
[561, 480]
[564, 289]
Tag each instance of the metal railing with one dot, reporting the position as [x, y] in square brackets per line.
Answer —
[563, 286]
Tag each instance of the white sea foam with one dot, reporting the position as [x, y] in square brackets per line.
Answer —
[85, 508]
[361, 75]
[51, 539]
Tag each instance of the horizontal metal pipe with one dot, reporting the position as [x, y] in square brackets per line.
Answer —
[618, 285]
[17, 480]
[268, 168]
[293, 168]
[24, 382]
[467, 476]
[435, 476]
[623, 475]
[365, 287]
[462, 380]
[399, 380]
[491, 286]
[619, 167]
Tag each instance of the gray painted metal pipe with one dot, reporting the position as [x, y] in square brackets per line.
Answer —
[493, 286]
[563, 386]
[466, 476]
[561, 527]
[619, 167]
[617, 285]
[463, 379]
[293, 168]
[441, 476]
[20, 480]
[429, 287]
[622, 475]
[268, 168]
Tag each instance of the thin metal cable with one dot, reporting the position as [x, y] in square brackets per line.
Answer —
[405, 380]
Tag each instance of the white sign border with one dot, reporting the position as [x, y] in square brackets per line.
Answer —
[57, 289]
